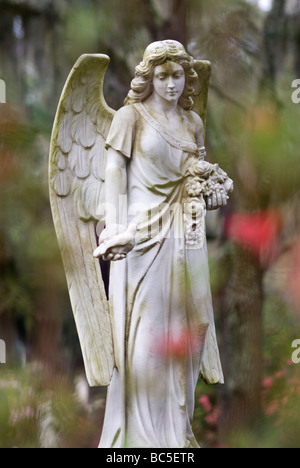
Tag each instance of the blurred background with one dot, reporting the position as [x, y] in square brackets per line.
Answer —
[254, 244]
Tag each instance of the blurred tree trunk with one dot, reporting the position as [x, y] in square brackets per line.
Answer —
[297, 45]
[31, 54]
[274, 48]
[242, 347]
[177, 26]
[294, 24]
[242, 321]
[167, 20]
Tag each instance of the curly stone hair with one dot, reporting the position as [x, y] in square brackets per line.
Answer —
[156, 54]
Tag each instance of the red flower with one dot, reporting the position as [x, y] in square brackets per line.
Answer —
[258, 232]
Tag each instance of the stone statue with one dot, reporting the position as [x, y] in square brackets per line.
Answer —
[137, 178]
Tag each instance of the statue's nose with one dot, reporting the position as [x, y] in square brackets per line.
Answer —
[171, 84]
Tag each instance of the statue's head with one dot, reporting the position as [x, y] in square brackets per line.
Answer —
[157, 54]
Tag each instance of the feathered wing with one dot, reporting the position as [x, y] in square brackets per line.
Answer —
[203, 69]
[211, 369]
[76, 177]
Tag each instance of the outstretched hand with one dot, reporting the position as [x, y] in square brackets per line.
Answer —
[116, 242]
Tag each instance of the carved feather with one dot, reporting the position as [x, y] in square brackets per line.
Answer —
[76, 178]
[203, 69]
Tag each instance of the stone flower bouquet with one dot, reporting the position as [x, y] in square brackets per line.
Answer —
[207, 188]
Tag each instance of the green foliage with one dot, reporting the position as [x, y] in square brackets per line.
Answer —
[38, 412]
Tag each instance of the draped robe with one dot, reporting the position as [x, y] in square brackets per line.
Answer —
[160, 300]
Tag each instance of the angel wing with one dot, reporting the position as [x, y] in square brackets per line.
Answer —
[211, 370]
[203, 69]
[76, 179]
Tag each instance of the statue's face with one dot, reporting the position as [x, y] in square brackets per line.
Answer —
[169, 81]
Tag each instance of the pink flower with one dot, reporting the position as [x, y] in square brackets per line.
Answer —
[205, 402]
[213, 417]
[268, 382]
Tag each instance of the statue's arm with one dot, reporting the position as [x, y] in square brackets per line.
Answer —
[117, 239]
[217, 199]
[115, 186]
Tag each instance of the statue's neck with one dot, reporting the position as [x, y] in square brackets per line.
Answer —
[162, 106]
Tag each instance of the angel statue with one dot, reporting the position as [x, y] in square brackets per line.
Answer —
[133, 187]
